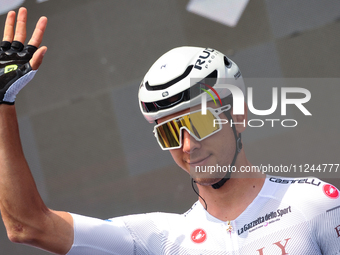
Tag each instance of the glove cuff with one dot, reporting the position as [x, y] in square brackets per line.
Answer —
[13, 90]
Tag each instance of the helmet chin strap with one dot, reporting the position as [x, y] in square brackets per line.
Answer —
[238, 148]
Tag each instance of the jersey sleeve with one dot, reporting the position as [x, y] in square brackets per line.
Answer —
[326, 226]
[327, 231]
[100, 237]
[318, 205]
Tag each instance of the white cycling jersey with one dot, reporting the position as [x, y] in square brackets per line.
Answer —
[289, 216]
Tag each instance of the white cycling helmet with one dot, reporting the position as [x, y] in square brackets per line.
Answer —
[171, 83]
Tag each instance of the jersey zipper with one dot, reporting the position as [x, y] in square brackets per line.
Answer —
[233, 237]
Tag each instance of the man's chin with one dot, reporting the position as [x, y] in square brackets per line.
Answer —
[207, 181]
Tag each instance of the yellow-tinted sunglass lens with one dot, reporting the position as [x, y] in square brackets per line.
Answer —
[202, 125]
[167, 136]
[199, 125]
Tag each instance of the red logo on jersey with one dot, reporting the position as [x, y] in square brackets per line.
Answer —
[330, 191]
[198, 236]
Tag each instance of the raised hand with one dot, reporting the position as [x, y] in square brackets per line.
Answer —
[18, 63]
[25, 215]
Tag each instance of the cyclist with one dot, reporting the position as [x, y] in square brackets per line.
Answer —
[237, 213]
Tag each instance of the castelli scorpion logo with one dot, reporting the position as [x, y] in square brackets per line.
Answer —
[198, 236]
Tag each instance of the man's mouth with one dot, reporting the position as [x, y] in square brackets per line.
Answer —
[197, 162]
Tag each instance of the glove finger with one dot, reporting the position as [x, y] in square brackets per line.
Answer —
[17, 46]
[5, 45]
[30, 49]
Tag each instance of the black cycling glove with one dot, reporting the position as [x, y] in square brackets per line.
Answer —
[15, 69]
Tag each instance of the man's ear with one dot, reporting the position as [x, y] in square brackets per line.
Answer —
[241, 121]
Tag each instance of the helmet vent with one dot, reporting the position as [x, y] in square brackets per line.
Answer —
[172, 82]
[183, 96]
[227, 62]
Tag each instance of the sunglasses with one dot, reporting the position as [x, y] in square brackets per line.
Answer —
[169, 133]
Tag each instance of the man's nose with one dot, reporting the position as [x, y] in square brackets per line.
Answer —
[189, 143]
